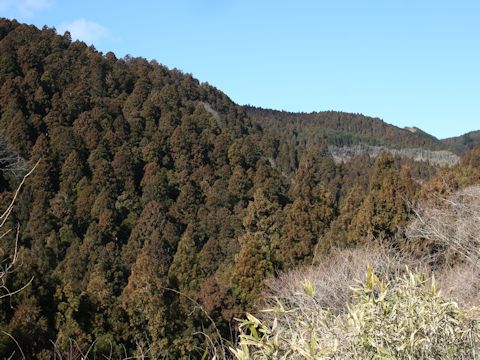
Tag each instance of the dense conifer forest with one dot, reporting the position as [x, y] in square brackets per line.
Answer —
[343, 129]
[159, 207]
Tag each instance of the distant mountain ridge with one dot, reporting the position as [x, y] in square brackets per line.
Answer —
[463, 143]
[348, 134]
[341, 128]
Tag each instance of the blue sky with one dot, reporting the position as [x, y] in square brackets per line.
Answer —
[411, 63]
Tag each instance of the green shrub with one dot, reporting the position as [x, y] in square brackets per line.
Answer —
[404, 319]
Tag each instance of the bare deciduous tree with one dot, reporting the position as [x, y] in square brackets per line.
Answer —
[452, 223]
[9, 260]
[9, 160]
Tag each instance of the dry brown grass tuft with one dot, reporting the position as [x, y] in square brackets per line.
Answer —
[334, 275]
[460, 283]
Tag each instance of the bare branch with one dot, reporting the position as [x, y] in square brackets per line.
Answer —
[7, 265]
[16, 343]
[9, 209]
[453, 222]
[9, 160]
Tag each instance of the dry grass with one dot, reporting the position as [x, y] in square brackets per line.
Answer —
[334, 275]
[460, 283]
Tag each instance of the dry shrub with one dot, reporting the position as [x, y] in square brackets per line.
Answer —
[450, 226]
[334, 275]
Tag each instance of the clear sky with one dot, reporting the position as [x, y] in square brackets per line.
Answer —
[409, 62]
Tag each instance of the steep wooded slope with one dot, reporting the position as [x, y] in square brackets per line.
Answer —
[144, 181]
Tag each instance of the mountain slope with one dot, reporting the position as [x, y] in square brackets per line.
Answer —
[339, 128]
[461, 144]
[345, 135]
[144, 179]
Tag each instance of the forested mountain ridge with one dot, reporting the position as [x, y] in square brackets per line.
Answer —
[340, 128]
[464, 142]
[159, 205]
[348, 135]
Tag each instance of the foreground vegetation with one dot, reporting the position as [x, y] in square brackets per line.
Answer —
[404, 319]
[398, 311]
